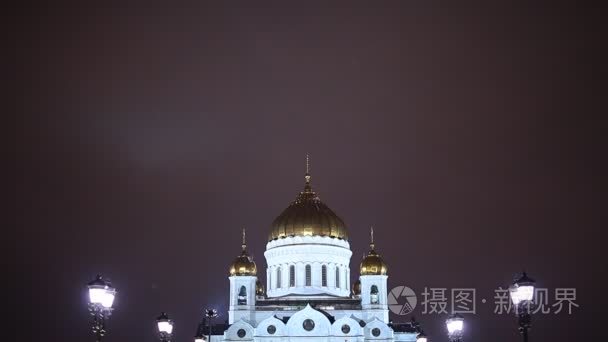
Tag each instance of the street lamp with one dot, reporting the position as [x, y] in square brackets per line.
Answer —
[455, 325]
[210, 314]
[101, 298]
[165, 327]
[522, 295]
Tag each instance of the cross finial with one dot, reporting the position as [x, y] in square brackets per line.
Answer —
[307, 175]
[244, 244]
[371, 237]
[307, 163]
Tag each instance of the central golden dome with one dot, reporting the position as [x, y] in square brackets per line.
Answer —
[308, 216]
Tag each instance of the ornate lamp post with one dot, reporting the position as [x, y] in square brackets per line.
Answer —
[101, 298]
[522, 295]
[455, 325]
[165, 327]
[210, 314]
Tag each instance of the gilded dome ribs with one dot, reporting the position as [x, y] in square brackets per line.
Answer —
[308, 216]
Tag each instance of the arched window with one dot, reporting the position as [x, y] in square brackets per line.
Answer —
[292, 276]
[279, 277]
[323, 275]
[373, 294]
[308, 275]
[242, 297]
[338, 277]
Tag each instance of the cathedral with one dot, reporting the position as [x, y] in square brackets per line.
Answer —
[308, 295]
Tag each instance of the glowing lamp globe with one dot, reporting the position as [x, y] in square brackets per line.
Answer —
[101, 292]
[165, 325]
[211, 313]
[522, 290]
[455, 324]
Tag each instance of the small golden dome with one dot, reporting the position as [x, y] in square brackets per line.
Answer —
[259, 288]
[243, 265]
[372, 263]
[308, 216]
[357, 288]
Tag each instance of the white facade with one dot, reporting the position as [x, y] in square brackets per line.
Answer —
[242, 298]
[308, 284]
[308, 265]
[345, 328]
[374, 295]
[308, 278]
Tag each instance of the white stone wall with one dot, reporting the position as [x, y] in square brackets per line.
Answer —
[236, 311]
[316, 251]
[374, 330]
[379, 309]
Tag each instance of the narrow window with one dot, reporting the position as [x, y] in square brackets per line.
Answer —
[324, 275]
[338, 277]
[373, 294]
[308, 275]
[242, 297]
[292, 276]
[279, 277]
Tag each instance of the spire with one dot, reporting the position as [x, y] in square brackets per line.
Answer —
[307, 163]
[371, 238]
[244, 244]
[307, 187]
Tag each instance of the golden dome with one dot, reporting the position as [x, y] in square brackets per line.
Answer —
[243, 265]
[259, 288]
[372, 263]
[308, 216]
[357, 288]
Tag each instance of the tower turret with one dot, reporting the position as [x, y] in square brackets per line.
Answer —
[242, 285]
[373, 279]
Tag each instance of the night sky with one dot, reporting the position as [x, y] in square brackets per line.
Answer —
[148, 135]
